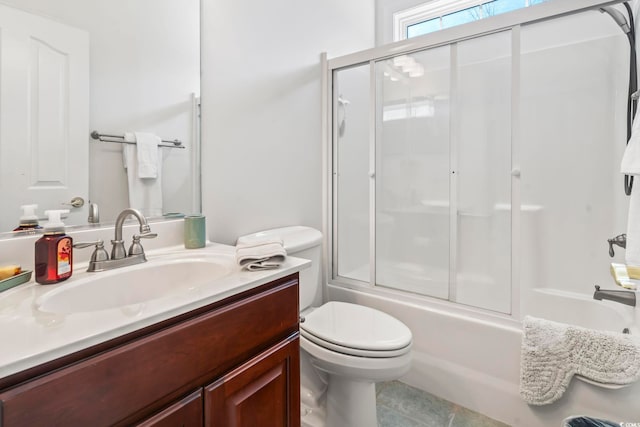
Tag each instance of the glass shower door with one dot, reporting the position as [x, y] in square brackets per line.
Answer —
[351, 121]
[412, 172]
[483, 172]
[443, 172]
[427, 197]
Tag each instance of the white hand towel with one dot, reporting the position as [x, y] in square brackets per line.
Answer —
[630, 165]
[255, 254]
[144, 194]
[148, 154]
[553, 352]
[632, 249]
[256, 240]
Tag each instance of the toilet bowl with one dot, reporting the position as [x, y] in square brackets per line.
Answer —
[345, 348]
[355, 346]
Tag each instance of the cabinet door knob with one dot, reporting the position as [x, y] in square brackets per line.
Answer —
[302, 319]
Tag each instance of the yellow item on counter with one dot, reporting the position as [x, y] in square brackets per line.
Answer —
[625, 275]
[9, 271]
[633, 271]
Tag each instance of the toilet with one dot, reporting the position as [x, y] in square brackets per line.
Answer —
[345, 348]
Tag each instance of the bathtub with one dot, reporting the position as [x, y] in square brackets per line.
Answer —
[472, 357]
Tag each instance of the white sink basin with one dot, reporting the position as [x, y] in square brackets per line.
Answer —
[132, 285]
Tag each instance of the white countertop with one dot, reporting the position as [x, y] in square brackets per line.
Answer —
[31, 337]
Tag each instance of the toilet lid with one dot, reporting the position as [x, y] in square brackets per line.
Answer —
[357, 327]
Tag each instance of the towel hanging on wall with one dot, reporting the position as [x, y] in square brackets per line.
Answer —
[630, 165]
[148, 154]
[145, 193]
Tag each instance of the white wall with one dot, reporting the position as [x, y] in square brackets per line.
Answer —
[261, 134]
[145, 63]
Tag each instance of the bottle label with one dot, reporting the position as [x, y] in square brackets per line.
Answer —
[64, 256]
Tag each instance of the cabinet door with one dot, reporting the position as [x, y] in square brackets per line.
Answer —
[185, 413]
[263, 392]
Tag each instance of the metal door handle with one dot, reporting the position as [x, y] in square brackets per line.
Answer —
[76, 202]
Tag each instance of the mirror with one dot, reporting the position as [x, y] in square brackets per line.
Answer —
[70, 67]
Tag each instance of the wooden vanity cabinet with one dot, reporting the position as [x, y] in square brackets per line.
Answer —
[185, 413]
[233, 363]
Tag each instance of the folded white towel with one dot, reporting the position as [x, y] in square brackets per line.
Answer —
[144, 194]
[256, 240]
[255, 254]
[553, 352]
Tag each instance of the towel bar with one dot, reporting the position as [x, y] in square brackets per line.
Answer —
[120, 140]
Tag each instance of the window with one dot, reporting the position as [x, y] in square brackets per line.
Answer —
[440, 14]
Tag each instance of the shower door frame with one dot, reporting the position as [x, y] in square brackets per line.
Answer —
[511, 22]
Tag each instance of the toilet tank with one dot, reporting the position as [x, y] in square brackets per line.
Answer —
[302, 242]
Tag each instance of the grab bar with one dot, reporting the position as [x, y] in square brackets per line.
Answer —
[120, 140]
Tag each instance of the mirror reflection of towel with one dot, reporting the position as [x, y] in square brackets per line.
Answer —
[148, 154]
[145, 194]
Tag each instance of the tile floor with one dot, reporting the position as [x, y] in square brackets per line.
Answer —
[400, 405]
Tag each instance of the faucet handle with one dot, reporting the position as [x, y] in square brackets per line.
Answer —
[620, 240]
[136, 248]
[99, 254]
[145, 236]
[82, 245]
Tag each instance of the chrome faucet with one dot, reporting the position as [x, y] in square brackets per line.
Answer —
[617, 295]
[117, 248]
[100, 261]
[94, 214]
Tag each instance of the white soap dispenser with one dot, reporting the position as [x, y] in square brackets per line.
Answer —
[28, 220]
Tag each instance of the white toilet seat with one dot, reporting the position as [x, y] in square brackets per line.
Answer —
[373, 369]
[354, 351]
[356, 330]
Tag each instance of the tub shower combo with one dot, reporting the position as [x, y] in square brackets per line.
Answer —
[473, 178]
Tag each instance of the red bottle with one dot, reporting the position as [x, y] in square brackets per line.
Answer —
[54, 251]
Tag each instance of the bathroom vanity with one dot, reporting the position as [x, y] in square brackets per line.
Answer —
[231, 359]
